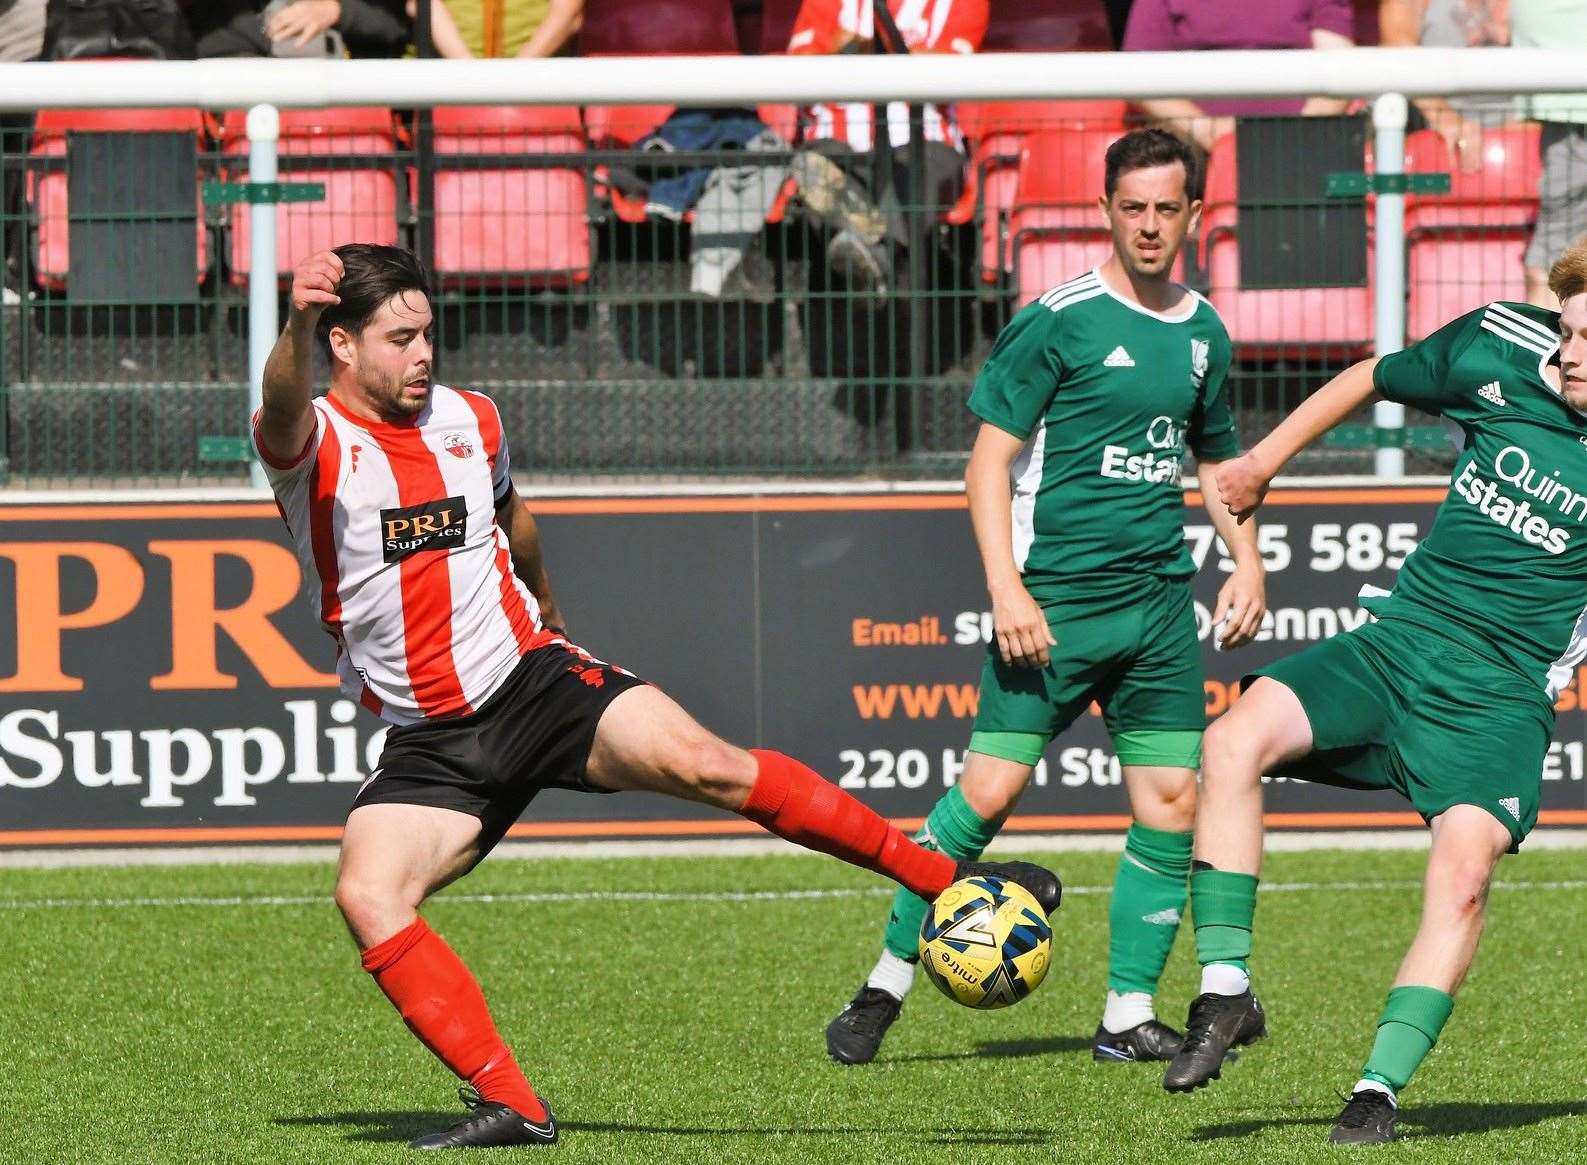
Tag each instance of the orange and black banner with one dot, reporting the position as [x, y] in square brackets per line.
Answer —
[162, 680]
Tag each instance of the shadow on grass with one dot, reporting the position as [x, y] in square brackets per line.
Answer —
[379, 1127]
[383, 1127]
[1006, 1049]
[1425, 1120]
[1012, 1137]
[923, 1136]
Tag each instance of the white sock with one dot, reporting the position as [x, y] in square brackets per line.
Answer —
[1377, 1086]
[1224, 979]
[1128, 1010]
[893, 975]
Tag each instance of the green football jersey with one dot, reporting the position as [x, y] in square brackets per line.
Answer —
[1505, 564]
[1107, 395]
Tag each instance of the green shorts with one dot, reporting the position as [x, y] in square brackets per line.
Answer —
[1394, 705]
[1134, 652]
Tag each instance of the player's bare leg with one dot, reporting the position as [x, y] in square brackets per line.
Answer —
[1161, 796]
[961, 824]
[992, 786]
[1468, 842]
[1144, 913]
[394, 857]
[646, 741]
[1266, 727]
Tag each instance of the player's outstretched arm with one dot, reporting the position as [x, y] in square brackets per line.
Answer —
[1242, 481]
[1242, 600]
[523, 540]
[285, 419]
[1023, 637]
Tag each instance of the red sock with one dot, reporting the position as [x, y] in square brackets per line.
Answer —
[795, 802]
[443, 1005]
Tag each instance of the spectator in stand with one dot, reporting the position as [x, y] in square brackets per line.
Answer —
[1562, 201]
[463, 29]
[835, 173]
[1179, 25]
[1452, 24]
[290, 28]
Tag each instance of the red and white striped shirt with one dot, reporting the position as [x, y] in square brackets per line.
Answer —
[395, 526]
[928, 26]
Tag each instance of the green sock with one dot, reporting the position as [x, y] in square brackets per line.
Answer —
[1407, 1031]
[1148, 900]
[1224, 907]
[952, 828]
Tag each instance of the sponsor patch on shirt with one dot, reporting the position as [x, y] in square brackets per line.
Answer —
[437, 525]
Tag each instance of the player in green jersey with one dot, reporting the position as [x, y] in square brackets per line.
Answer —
[1089, 400]
[1448, 699]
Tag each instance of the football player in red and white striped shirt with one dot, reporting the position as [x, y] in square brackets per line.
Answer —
[425, 568]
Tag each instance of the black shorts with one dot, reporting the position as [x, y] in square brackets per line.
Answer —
[534, 732]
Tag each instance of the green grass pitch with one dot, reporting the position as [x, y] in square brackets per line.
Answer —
[668, 1023]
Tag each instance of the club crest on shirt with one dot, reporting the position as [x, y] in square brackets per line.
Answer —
[1198, 361]
[458, 445]
[408, 530]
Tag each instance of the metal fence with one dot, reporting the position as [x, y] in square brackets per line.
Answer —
[646, 291]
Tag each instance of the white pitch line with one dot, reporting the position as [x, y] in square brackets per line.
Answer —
[677, 896]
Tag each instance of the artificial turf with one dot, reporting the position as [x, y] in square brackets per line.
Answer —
[174, 1014]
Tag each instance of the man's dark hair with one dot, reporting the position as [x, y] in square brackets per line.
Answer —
[1142, 149]
[371, 275]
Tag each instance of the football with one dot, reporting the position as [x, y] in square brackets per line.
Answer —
[985, 943]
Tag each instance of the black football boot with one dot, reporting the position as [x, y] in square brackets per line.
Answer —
[1217, 1023]
[489, 1125]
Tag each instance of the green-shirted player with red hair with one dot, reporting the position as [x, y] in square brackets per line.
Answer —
[1447, 699]
[1090, 400]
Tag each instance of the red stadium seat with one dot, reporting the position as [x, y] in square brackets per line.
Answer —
[1047, 26]
[47, 191]
[513, 223]
[998, 131]
[1465, 248]
[360, 203]
[623, 125]
[1055, 229]
[1283, 319]
[782, 118]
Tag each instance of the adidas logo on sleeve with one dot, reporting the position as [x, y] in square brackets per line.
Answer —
[1118, 358]
[1490, 393]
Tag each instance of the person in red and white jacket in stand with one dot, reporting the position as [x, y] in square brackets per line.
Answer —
[424, 566]
[835, 171]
